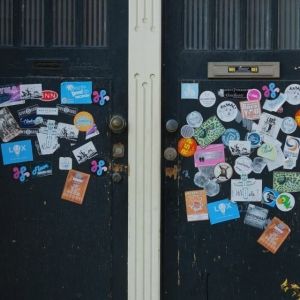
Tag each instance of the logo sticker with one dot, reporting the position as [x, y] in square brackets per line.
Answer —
[21, 173]
[189, 90]
[230, 135]
[227, 111]
[100, 97]
[41, 169]
[76, 92]
[254, 95]
[84, 121]
[293, 94]
[285, 202]
[98, 167]
[207, 99]
[49, 96]
[71, 111]
[288, 125]
[17, 152]
[269, 196]
[187, 147]
[221, 211]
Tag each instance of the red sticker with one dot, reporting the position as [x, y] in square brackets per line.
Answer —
[48, 96]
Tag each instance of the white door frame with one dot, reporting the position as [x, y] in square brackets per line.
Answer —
[144, 149]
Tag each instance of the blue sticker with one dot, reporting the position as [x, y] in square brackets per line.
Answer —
[98, 167]
[79, 92]
[16, 152]
[269, 196]
[230, 134]
[254, 138]
[41, 169]
[189, 90]
[222, 210]
[31, 121]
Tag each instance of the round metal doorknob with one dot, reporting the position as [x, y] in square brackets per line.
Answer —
[170, 154]
[117, 124]
[171, 125]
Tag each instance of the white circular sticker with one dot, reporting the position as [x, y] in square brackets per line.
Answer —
[223, 171]
[288, 125]
[194, 119]
[207, 99]
[285, 202]
[227, 111]
[293, 94]
[187, 131]
[243, 165]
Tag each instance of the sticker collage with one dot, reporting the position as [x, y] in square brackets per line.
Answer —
[249, 139]
[32, 134]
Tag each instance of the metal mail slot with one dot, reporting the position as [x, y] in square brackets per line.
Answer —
[244, 69]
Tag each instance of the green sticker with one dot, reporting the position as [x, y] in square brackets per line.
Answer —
[286, 182]
[209, 131]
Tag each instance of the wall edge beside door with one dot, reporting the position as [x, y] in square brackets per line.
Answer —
[144, 150]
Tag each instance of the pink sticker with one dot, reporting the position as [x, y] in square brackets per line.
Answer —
[254, 95]
[209, 156]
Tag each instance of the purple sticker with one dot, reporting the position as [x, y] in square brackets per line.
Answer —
[254, 95]
[98, 167]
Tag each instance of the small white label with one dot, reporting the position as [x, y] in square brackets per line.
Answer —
[65, 163]
[207, 99]
[47, 111]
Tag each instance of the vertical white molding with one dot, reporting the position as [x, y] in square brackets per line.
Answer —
[144, 140]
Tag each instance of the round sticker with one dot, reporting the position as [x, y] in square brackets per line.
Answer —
[269, 196]
[285, 202]
[84, 121]
[254, 138]
[187, 147]
[243, 165]
[207, 99]
[254, 95]
[201, 180]
[212, 188]
[258, 165]
[223, 172]
[227, 111]
[194, 119]
[187, 131]
[230, 134]
[288, 125]
[293, 94]
[297, 117]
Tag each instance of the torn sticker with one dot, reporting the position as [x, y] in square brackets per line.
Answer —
[41, 169]
[250, 110]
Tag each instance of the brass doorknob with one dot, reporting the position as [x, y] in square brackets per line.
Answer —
[117, 124]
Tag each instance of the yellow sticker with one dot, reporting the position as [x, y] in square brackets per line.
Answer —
[84, 121]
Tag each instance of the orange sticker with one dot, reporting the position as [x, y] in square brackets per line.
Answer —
[84, 121]
[187, 147]
[297, 117]
[75, 186]
[274, 235]
[196, 205]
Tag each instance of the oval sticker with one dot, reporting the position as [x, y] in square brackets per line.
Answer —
[48, 96]
[84, 121]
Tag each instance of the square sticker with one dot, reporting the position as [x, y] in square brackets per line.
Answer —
[250, 110]
[223, 210]
[196, 205]
[17, 152]
[189, 90]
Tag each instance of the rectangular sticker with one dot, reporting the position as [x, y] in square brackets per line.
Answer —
[63, 109]
[291, 147]
[9, 128]
[41, 169]
[32, 121]
[280, 158]
[269, 125]
[209, 131]
[209, 156]
[31, 91]
[47, 111]
[29, 131]
[76, 92]
[250, 110]
[75, 186]
[274, 104]
[286, 182]
[17, 152]
[67, 131]
[274, 235]
[249, 190]
[10, 95]
[221, 211]
[240, 148]
[196, 205]
[65, 163]
[27, 111]
[256, 216]
[85, 152]
[189, 90]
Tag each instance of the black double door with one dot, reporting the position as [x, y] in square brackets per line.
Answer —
[51, 248]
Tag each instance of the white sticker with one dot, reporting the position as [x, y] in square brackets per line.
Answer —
[275, 104]
[85, 152]
[65, 163]
[227, 111]
[240, 148]
[269, 125]
[291, 147]
[194, 119]
[288, 125]
[31, 91]
[207, 99]
[293, 94]
[67, 131]
[275, 164]
[47, 111]
[285, 202]
[249, 190]
[187, 131]
[243, 165]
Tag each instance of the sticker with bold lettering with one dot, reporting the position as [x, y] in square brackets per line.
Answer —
[49, 96]
[63, 109]
[17, 152]
[84, 121]
[41, 169]
[293, 94]
[250, 110]
[256, 216]
[76, 92]
[227, 111]
[27, 111]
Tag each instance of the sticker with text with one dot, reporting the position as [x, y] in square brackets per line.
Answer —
[17, 152]
[41, 169]
[76, 92]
